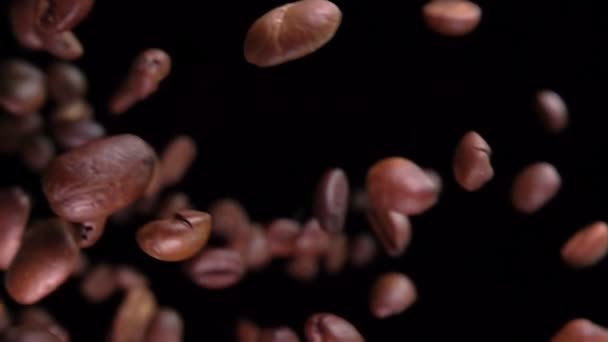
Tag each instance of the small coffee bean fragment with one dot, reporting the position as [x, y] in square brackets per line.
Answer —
[392, 293]
[99, 283]
[291, 31]
[63, 15]
[134, 315]
[37, 152]
[246, 331]
[393, 229]
[452, 17]
[282, 235]
[22, 87]
[176, 159]
[326, 327]
[587, 247]
[15, 206]
[362, 250]
[166, 326]
[581, 330]
[66, 82]
[279, 334]
[331, 200]
[337, 253]
[215, 268]
[552, 111]
[534, 187]
[471, 165]
[26, 333]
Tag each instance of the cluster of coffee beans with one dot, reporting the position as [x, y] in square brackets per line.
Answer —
[92, 179]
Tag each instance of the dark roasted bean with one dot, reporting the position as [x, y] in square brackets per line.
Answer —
[65, 46]
[229, 218]
[63, 15]
[37, 152]
[134, 315]
[215, 268]
[326, 327]
[362, 250]
[26, 333]
[280, 334]
[304, 268]
[312, 240]
[587, 247]
[128, 277]
[73, 134]
[331, 200]
[581, 330]
[176, 159]
[337, 253]
[392, 229]
[392, 294]
[166, 326]
[15, 206]
[173, 203]
[66, 83]
[471, 165]
[552, 111]
[452, 17]
[282, 235]
[22, 87]
[534, 186]
[34, 316]
[99, 284]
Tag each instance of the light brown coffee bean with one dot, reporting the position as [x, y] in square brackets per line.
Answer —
[303, 268]
[176, 159]
[279, 334]
[312, 240]
[471, 165]
[587, 247]
[99, 178]
[534, 187]
[331, 200]
[393, 229]
[392, 294]
[215, 268]
[89, 232]
[37, 152]
[452, 18]
[22, 87]
[246, 331]
[66, 83]
[173, 203]
[552, 111]
[362, 250]
[282, 235]
[175, 239]
[26, 333]
[15, 207]
[229, 218]
[291, 31]
[337, 253]
[166, 326]
[128, 277]
[134, 315]
[45, 260]
[399, 185]
[99, 284]
[35, 316]
[581, 330]
[326, 327]
[65, 46]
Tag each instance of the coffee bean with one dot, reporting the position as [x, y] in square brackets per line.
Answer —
[246, 331]
[331, 200]
[399, 185]
[552, 110]
[452, 18]
[215, 268]
[37, 152]
[326, 327]
[35, 316]
[580, 329]
[134, 315]
[303, 268]
[175, 239]
[534, 186]
[46, 258]
[65, 46]
[128, 277]
[392, 294]
[166, 326]
[89, 232]
[282, 235]
[392, 229]
[362, 250]
[291, 31]
[66, 83]
[587, 247]
[279, 334]
[15, 206]
[337, 253]
[471, 164]
[312, 240]
[63, 15]
[257, 252]
[22, 87]
[229, 218]
[76, 133]
[176, 159]
[25, 333]
[99, 178]
[99, 284]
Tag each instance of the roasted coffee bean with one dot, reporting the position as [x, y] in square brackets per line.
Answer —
[215, 268]
[392, 229]
[14, 130]
[134, 315]
[65, 46]
[587, 247]
[34, 316]
[246, 331]
[326, 327]
[176, 159]
[22, 87]
[15, 206]
[89, 232]
[99, 178]
[62, 15]
[66, 82]
[581, 330]
[452, 17]
[175, 239]
[26, 333]
[471, 164]
[99, 284]
[337, 253]
[166, 326]
[312, 240]
[147, 71]
[280, 334]
[37, 152]
[282, 235]
[331, 200]
[304, 268]
[534, 186]
[291, 31]
[552, 110]
[173, 203]
[229, 218]
[46, 258]
[74, 134]
[128, 277]
[257, 252]
[392, 294]
[362, 250]
[399, 185]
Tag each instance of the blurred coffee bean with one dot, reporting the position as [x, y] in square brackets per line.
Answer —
[15, 130]
[552, 111]
[331, 200]
[362, 250]
[303, 268]
[134, 315]
[46, 258]
[291, 31]
[471, 165]
[173, 203]
[147, 71]
[35, 316]
[37, 152]
[15, 206]
[22, 87]
[282, 235]
[57, 16]
[99, 178]
[246, 331]
[229, 218]
[74, 134]
[176, 159]
[399, 185]
[312, 240]
[166, 326]
[337, 253]
[452, 18]
[257, 252]
[99, 284]
[279, 334]
[392, 229]
[89, 232]
[215, 268]
[66, 83]
[175, 239]
[587, 247]
[534, 186]
[65, 46]
[326, 327]
[392, 294]
[128, 277]
[26, 333]
[581, 330]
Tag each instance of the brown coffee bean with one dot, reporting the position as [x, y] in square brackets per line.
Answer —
[471, 165]
[587, 247]
[291, 31]
[534, 186]
[15, 206]
[362, 250]
[128, 277]
[216, 268]
[312, 240]
[552, 111]
[89, 232]
[393, 229]
[99, 284]
[99, 178]
[134, 315]
[46, 258]
[175, 239]
[392, 294]
[326, 327]
[229, 218]
[26, 333]
[246, 331]
[73, 134]
[166, 326]
[173, 203]
[147, 71]
[257, 252]
[66, 83]
[62, 15]
[452, 18]
[337, 253]
[279, 334]
[37, 152]
[581, 330]
[65, 46]
[303, 268]
[282, 235]
[176, 159]
[22, 87]
[34, 316]
[15, 130]
[331, 200]
[399, 185]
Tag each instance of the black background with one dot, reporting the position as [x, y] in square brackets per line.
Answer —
[384, 86]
